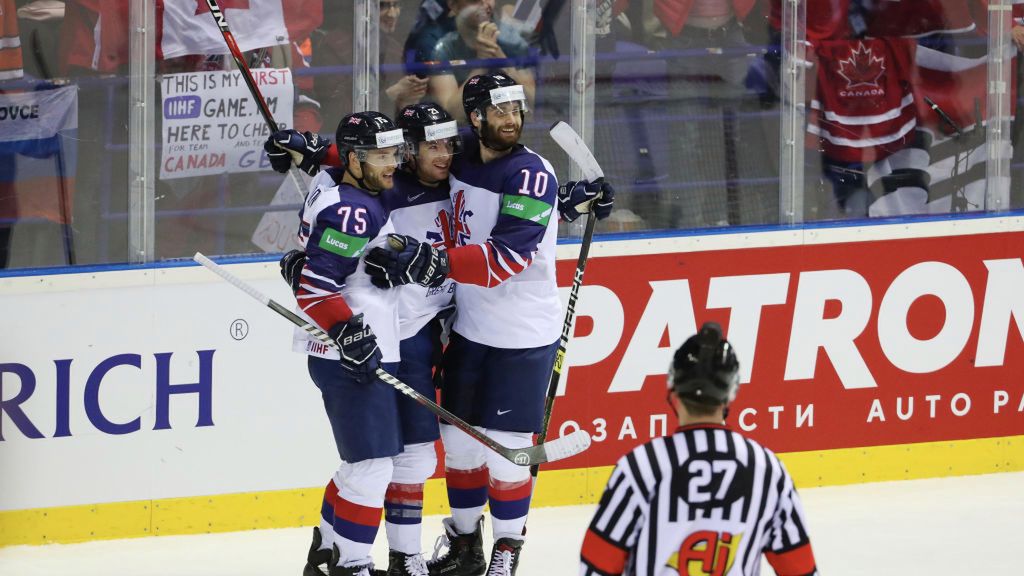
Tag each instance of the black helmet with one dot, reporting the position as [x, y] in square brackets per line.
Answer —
[427, 122]
[704, 369]
[363, 131]
[477, 93]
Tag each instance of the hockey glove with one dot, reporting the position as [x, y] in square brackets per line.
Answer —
[409, 261]
[578, 198]
[357, 343]
[291, 268]
[306, 150]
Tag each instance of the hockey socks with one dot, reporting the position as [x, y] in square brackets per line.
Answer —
[467, 494]
[403, 517]
[510, 503]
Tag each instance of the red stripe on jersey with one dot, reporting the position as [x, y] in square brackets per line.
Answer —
[483, 265]
[795, 562]
[510, 491]
[602, 554]
[326, 310]
[466, 479]
[470, 265]
[356, 513]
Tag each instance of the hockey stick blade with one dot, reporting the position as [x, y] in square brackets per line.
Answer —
[543, 452]
[558, 449]
[570, 141]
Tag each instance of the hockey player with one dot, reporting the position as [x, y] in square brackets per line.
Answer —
[341, 220]
[503, 240]
[418, 205]
[507, 322]
[704, 500]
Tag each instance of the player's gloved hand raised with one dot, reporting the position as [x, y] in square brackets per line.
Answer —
[408, 261]
[357, 343]
[291, 268]
[306, 150]
[577, 198]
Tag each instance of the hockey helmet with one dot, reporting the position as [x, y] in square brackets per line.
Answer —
[704, 369]
[497, 90]
[428, 122]
[364, 132]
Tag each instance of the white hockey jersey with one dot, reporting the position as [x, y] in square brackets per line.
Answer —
[425, 214]
[504, 232]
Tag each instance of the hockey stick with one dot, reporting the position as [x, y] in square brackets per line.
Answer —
[563, 447]
[570, 141]
[254, 90]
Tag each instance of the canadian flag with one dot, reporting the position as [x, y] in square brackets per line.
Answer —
[186, 27]
[95, 32]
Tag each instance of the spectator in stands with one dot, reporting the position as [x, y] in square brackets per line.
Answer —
[333, 47]
[477, 36]
[434, 20]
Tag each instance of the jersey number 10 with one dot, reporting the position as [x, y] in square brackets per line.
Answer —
[540, 183]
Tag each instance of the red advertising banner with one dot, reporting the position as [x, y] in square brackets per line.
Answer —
[841, 345]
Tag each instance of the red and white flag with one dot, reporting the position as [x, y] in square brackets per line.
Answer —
[186, 27]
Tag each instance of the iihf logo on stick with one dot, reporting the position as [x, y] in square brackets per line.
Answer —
[522, 459]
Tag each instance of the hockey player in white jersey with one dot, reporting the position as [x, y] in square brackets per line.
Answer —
[507, 323]
[704, 500]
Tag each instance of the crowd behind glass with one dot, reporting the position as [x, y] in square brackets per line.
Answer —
[687, 117]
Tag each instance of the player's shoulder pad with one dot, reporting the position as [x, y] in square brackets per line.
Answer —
[526, 159]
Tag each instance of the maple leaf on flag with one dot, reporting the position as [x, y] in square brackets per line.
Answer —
[862, 68]
[202, 7]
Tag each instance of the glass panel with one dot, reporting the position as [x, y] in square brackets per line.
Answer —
[215, 189]
[687, 114]
[449, 42]
[1013, 27]
[896, 94]
[63, 136]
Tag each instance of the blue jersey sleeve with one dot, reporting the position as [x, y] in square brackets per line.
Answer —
[337, 240]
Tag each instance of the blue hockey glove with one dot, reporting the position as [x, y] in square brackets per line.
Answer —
[357, 343]
[306, 150]
[291, 268]
[408, 261]
[578, 198]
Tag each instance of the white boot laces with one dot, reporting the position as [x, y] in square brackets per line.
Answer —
[501, 565]
[415, 565]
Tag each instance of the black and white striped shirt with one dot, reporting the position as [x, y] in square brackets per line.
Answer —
[704, 500]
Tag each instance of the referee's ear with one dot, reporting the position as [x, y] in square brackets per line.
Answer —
[674, 403]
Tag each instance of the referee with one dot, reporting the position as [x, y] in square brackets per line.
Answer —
[704, 500]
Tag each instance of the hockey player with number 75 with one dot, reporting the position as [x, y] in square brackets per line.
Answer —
[419, 206]
[342, 219]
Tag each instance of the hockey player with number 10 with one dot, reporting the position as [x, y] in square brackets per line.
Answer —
[507, 322]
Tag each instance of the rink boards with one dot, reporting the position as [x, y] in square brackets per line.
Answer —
[163, 401]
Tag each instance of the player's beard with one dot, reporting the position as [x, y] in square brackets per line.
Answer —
[378, 179]
[496, 138]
